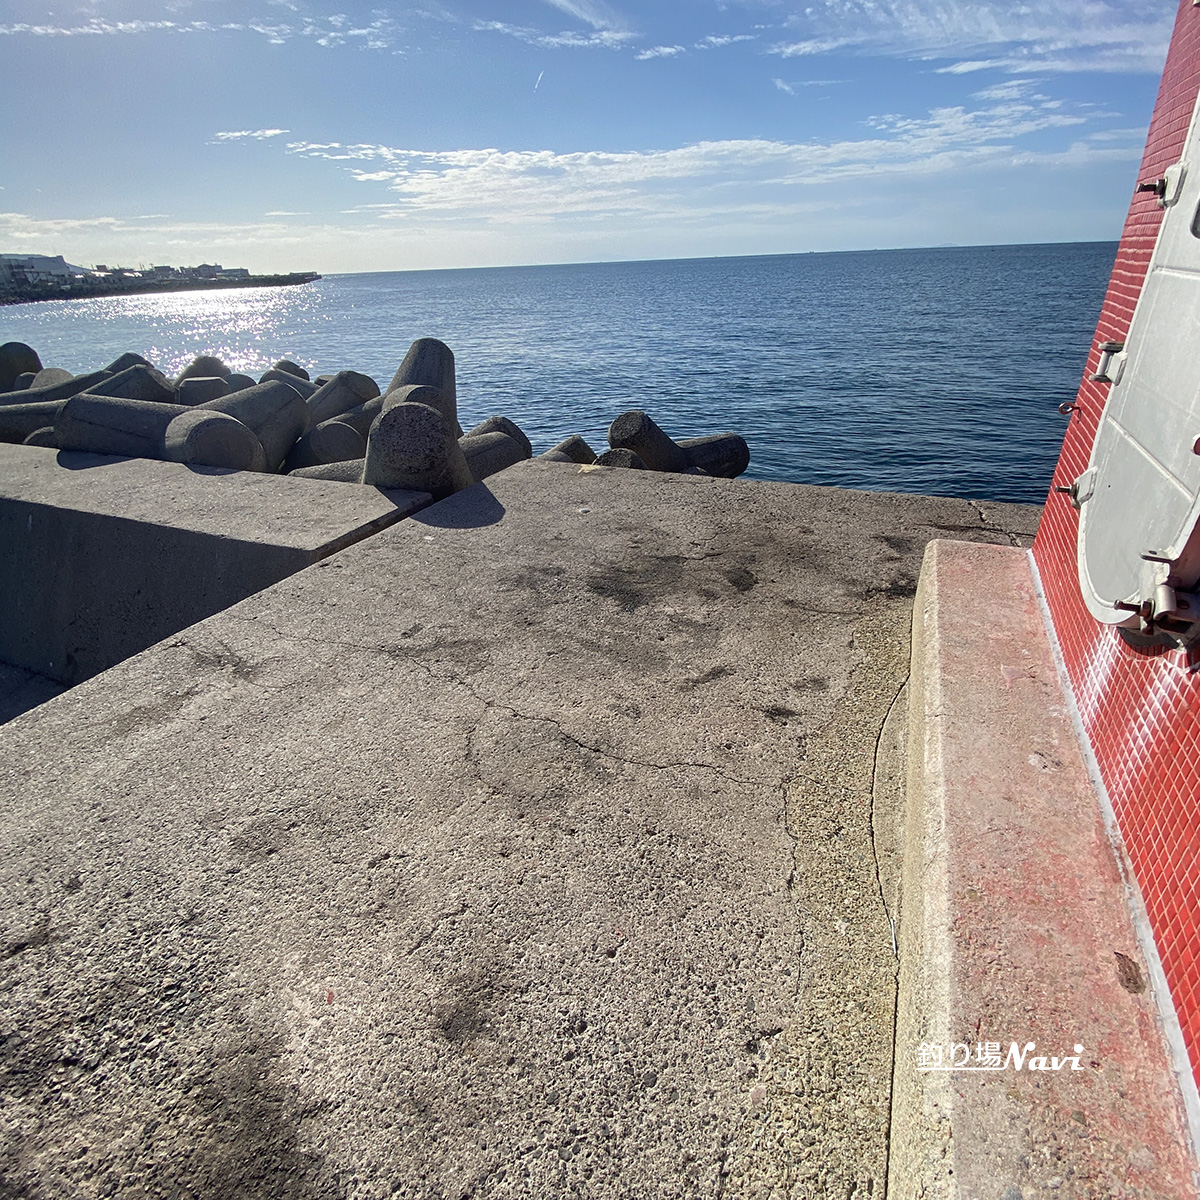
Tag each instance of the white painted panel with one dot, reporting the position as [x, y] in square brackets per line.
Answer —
[1146, 490]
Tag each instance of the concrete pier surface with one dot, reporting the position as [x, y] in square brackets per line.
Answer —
[540, 844]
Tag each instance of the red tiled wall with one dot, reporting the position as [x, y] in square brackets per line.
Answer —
[1141, 710]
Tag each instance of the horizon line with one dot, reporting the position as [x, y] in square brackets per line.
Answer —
[611, 262]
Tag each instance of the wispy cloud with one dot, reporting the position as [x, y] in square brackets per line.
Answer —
[784, 86]
[659, 52]
[1058, 35]
[591, 12]
[96, 27]
[962, 36]
[258, 135]
[501, 187]
[605, 39]
[380, 33]
[463, 207]
[715, 41]
[812, 46]
[1134, 136]
[1007, 90]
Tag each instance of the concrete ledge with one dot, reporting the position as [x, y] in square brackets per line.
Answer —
[1014, 926]
[115, 554]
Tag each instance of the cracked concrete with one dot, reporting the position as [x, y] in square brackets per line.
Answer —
[523, 849]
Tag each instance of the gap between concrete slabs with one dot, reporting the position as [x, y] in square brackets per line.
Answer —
[1014, 927]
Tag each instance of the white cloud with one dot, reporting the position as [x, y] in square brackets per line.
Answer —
[1014, 36]
[515, 187]
[971, 65]
[491, 207]
[257, 135]
[812, 46]
[382, 32]
[605, 39]
[591, 12]
[715, 41]
[659, 52]
[94, 27]
[1009, 89]
[784, 86]
[1059, 35]
[1136, 135]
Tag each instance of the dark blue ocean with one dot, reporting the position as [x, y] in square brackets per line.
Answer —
[937, 371]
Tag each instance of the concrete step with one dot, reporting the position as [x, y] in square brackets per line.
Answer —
[1032, 1057]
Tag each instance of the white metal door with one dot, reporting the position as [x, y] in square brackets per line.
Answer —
[1140, 497]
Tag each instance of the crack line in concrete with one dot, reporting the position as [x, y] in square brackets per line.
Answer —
[892, 921]
[394, 652]
[987, 527]
[874, 794]
[790, 882]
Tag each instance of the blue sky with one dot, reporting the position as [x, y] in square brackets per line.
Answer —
[342, 136]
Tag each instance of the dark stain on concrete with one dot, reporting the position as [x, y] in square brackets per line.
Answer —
[901, 545]
[191, 1089]
[258, 840]
[709, 676]
[811, 683]
[250, 1147]
[37, 937]
[468, 1007]
[899, 587]
[1128, 974]
[547, 582]
[615, 584]
[226, 660]
[149, 714]
[741, 578]
[637, 580]
[780, 714]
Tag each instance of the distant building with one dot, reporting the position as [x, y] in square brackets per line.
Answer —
[40, 276]
[34, 268]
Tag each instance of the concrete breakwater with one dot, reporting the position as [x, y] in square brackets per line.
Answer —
[340, 427]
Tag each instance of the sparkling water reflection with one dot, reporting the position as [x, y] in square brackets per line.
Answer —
[936, 371]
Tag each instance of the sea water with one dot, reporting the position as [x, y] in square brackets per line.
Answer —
[937, 371]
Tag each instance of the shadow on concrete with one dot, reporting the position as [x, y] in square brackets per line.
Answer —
[22, 689]
[469, 509]
[82, 460]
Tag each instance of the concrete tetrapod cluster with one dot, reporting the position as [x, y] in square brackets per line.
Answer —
[334, 427]
[636, 441]
[339, 427]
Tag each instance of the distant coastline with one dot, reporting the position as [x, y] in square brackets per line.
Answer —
[81, 289]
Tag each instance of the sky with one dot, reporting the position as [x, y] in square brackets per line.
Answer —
[339, 135]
